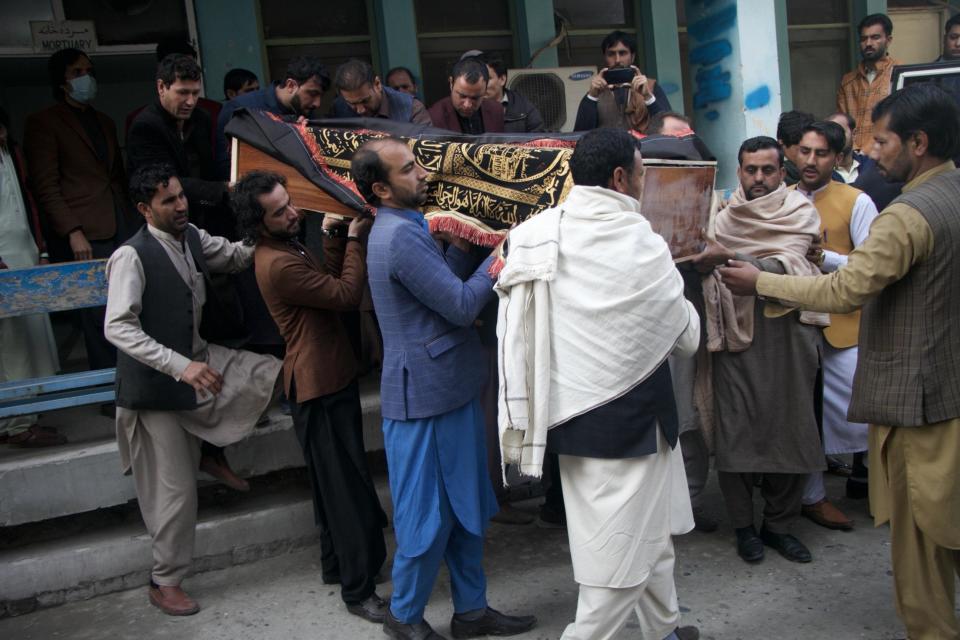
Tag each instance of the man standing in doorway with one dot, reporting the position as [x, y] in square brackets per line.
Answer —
[861, 89]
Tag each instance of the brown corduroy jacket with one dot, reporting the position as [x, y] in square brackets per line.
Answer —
[305, 297]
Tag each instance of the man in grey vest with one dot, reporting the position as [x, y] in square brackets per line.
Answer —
[906, 277]
[361, 94]
[173, 388]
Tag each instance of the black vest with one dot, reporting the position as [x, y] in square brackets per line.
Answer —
[625, 427]
[166, 315]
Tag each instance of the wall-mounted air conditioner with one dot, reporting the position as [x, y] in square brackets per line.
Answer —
[555, 92]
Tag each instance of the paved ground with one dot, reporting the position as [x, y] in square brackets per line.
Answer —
[845, 593]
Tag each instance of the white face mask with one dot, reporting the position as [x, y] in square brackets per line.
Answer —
[83, 89]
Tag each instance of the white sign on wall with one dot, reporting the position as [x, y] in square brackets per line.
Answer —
[53, 35]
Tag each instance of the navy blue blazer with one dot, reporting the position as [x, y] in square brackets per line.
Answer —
[426, 303]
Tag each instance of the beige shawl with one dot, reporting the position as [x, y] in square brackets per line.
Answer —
[780, 225]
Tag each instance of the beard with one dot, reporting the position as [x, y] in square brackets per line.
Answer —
[874, 55]
[412, 200]
[297, 106]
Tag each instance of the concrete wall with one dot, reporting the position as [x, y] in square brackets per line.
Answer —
[229, 34]
[735, 75]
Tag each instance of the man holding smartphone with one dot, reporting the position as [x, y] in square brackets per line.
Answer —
[620, 95]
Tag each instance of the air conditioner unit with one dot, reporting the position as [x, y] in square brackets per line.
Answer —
[556, 92]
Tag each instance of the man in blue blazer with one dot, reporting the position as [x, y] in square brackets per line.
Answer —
[426, 301]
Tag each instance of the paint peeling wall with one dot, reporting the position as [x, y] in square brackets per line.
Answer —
[734, 74]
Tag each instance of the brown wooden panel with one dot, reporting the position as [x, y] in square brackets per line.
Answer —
[303, 193]
[677, 199]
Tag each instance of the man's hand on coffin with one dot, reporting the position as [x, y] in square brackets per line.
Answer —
[598, 84]
[203, 378]
[359, 227]
[740, 277]
[449, 238]
[713, 255]
[331, 222]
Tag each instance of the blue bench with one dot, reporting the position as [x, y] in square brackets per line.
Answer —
[45, 289]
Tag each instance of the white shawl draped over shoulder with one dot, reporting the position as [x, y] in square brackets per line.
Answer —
[590, 305]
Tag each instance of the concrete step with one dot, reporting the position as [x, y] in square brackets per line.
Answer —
[117, 556]
[84, 474]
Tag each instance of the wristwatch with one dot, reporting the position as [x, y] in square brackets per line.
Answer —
[335, 232]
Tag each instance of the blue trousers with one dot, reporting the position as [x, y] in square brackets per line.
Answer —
[414, 577]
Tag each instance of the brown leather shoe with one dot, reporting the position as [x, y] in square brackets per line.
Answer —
[220, 469]
[173, 601]
[35, 437]
[827, 515]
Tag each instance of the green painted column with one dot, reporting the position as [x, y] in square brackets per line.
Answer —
[230, 36]
[395, 24]
[535, 28]
[659, 38]
[860, 9]
[783, 56]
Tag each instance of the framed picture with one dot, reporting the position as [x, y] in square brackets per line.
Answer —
[944, 74]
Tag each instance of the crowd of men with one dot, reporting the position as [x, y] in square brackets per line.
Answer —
[755, 352]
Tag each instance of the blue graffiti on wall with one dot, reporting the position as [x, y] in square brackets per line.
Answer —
[712, 80]
[759, 97]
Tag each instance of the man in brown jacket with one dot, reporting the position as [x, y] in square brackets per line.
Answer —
[465, 110]
[305, 297]
[78, 180]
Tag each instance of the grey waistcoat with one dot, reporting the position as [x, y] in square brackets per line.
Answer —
[166, 316]
[908, 373]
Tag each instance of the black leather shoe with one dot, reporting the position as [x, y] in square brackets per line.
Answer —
[788, 546]
[372, 609]
[491, 623]
[687, 633]
[419, 631]
[749, 544]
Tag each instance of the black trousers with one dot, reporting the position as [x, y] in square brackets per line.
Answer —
[346, 505]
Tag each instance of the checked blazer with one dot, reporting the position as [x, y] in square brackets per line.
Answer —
[426, 303]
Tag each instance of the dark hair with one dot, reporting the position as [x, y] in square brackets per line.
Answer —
[236, 78]
[353, 74]
[177, 66]
[471, 69]
[924, 107]
[57, 69]
[790, 127]
[598, 153]
[495, 62]
[244, 200]
[619, 36]
[831, 132]
[146, 180]
[951, 23]
[367, 167]
[413, 78]
[656, 122]
[874, 19]
[303, 68]
[759, 143]
[851, 123]
[169, 46]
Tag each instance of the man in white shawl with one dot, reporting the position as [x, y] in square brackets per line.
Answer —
[591, 306]
[765, 357]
